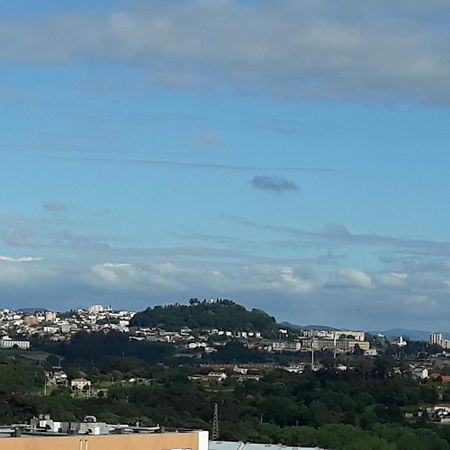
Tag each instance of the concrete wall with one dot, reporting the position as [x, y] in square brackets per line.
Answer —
[163, 441]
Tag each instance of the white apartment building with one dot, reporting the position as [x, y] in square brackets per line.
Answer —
[7, 342]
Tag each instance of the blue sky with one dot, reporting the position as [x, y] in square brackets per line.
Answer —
[291, 155]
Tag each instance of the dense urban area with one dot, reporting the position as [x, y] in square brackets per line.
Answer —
[184, 365]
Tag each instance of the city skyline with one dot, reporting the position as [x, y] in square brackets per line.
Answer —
[289, 155]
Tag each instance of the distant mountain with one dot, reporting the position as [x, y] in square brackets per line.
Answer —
[306, 327]
[292, 326]
[33, 310]
[413, 335]
[319, 327]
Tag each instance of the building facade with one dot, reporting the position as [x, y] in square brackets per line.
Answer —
[195, 440]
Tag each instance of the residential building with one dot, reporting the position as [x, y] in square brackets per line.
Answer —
[7, 342]
[436, 338]
[80, 385]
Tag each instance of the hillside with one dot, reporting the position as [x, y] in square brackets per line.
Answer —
[221, 314]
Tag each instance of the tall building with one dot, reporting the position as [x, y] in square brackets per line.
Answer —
[437, 338]
[95, 309]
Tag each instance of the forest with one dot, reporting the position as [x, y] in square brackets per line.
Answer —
[354, 409]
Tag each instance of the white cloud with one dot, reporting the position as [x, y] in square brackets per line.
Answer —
[138, 276]
[391, 279]
[20, 258]
[350, 277]
[105, 273]
[116, 265]
[273, 278]
[171, 276]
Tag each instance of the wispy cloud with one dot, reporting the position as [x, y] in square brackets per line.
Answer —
[200, 166]
[53, 231]
[340, 234]
[273, 184]
[20, 238]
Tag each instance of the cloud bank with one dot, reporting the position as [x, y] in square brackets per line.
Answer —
[302, 49]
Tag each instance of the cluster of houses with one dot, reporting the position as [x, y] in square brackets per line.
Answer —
[439, 413]
[436, 413]
[17, 326]
[340, 341]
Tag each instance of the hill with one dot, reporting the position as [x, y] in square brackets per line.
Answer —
[221, 314]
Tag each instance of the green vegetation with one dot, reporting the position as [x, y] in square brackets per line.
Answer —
[87, 350]
[91, 347]
[20, 377]
[223, 314]
[354, 409]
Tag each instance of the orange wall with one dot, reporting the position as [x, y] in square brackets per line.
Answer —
[163, 441]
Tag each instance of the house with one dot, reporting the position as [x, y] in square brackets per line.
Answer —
[420, 372]
[217, 377]
[57, 378]
[80, 385]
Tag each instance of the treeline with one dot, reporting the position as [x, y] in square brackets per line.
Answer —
[222, 314]
[350, 437]
[94, 347]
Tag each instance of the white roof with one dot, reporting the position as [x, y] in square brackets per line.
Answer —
[235, 445]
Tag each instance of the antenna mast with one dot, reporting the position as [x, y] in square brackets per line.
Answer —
[335, 347]
[215, 428]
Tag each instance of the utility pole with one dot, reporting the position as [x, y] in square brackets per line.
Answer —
[312, 350]
[215, 428]
[335, 348]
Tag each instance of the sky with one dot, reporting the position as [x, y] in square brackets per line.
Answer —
[291, 155]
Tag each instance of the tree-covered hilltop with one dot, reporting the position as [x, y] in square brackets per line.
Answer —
[221, 314]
